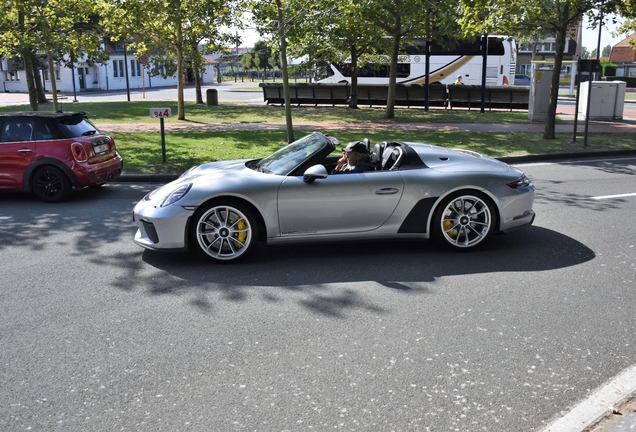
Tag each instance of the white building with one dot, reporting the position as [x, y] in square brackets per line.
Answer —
[109, 76]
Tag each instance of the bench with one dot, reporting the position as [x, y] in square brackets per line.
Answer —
[453, 96]
[306, 93]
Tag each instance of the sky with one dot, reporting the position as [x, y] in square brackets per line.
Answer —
[590, 36]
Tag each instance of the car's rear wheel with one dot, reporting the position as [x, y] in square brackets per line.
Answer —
[464, 220]
[50, 184]
[224, 231]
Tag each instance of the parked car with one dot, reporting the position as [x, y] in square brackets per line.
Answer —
[523, 80]
[49, 153]
[417, 191]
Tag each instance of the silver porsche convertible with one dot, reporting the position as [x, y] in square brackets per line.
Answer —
[416, 191]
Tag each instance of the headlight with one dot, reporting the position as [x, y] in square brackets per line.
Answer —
[176, 195]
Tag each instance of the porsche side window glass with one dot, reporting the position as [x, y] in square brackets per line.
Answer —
[284, 160]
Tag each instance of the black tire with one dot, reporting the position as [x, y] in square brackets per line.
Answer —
[224, 231]
[50, 184]
[464, 220]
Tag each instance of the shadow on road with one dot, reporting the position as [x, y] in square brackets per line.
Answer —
[95, 228]
[409, 267]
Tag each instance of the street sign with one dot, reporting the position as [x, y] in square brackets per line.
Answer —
[160, 112]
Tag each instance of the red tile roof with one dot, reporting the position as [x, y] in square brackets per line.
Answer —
[623, 52]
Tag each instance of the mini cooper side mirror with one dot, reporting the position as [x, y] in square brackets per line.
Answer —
[315, 172]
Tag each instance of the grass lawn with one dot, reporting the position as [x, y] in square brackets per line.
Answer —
[139, 112]
[142, 150]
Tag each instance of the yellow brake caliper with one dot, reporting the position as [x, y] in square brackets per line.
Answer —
[447, 224]
[242, 236]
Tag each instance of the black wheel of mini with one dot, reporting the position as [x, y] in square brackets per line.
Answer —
[464, 220]
[224, 231]
[50, 184]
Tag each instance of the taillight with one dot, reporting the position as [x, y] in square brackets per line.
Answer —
[521, 182]
[78, 152]
[112, 141]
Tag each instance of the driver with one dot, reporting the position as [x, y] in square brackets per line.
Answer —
[355, 159]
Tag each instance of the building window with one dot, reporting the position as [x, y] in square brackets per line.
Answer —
[118, 69]
[12, 76]
[525, 69]
[48, 78]
[135, 68]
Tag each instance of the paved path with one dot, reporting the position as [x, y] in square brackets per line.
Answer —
[470, 127]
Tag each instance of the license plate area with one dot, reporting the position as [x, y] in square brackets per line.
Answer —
[100, 148]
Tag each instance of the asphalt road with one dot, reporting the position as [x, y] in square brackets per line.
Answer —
[98, 334]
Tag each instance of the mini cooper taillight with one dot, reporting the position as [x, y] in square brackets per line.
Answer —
[79, 153]
[521, 182]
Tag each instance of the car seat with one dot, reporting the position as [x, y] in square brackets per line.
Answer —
[367, 143]
[392, 157]
[376, 155]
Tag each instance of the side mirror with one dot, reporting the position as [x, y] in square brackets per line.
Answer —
[315, 172]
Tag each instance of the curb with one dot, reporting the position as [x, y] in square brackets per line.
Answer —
[542, 157]
[549, 157]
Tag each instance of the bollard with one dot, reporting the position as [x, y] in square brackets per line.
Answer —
[212, 97]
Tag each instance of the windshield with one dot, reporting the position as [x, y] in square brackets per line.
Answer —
[75, 127]
[283, 161]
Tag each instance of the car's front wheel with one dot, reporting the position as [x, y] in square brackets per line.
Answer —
[50, 184]
[224, 231]
[463, 220]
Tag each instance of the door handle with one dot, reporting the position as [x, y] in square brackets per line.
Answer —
[26, 150]
[387, 191]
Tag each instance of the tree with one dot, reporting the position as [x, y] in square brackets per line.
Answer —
[263, 57]
[274, 17]
[172, 29]
[66, 30]
[334, 34]
[518, 16]
[606, 51]
[585, 54]
[405, 20]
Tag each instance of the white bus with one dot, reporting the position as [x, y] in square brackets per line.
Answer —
[445, 66]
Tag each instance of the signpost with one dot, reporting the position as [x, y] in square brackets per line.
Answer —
[161, 113]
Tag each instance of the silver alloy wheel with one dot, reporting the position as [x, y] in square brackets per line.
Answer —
[224, 232]
[465, 221]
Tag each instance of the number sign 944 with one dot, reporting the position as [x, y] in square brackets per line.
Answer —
[160, 112]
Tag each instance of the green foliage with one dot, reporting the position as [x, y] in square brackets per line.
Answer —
[607, 67]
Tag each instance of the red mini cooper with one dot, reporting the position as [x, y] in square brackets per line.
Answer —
[49, 153]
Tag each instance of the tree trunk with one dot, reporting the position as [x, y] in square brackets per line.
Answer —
[390, 98]
[37, 77]
[27, 56]
[52, 79]
[197, 79]
[353, 101]
[283, 62]
[180, 76]
[549, 131]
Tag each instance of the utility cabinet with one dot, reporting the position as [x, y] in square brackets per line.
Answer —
[540, 84]
[606, 100]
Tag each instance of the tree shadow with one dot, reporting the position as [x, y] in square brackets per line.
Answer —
[95, 228]
[410, 268]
